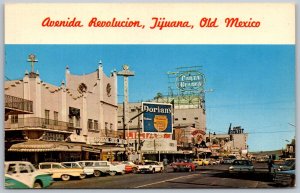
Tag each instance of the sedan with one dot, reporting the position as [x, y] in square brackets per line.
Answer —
[20, 174]
[183, 166]
[59, 171]
[241, 166]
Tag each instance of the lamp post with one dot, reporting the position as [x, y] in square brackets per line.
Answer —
[125, 73]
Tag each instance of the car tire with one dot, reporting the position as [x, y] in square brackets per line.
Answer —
[153, 171]
[97, 173]
[82, 176]
[65, 177]
[174, 170]
[37, 185]
[134, 170]
[112, 173]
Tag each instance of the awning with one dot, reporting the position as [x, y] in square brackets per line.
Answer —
[111, 149]
[91, 149]
[162, 152]
[45, 146]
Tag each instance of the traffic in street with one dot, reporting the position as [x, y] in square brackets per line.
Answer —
[211, 176]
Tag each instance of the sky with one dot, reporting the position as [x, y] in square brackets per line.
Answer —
[253, 85]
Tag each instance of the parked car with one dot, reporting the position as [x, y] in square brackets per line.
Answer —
[20, 174]
[286, 178]
[59, 171]
[149, 166]
[183, 166]
[116, 168]
[100, 168]
[241, 166]
[87, 170]
[133, 166]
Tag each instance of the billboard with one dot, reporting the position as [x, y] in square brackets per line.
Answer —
[157, 118]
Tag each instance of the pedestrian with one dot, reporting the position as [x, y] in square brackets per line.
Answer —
[165, 163]
[270, 163]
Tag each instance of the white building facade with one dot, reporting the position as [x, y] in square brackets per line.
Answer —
[81, 113]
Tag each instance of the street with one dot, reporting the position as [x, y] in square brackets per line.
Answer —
[213, 176]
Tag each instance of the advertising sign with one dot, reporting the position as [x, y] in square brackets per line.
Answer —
[190, 81]
[157, 118]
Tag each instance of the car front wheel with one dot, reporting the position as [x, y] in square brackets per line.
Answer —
[97, 173]
[65, 177]
[37, 185]
[134, 170]
[82, 176]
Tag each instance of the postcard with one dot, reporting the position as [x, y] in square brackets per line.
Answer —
[149, 95]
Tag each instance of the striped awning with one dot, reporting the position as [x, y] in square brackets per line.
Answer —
[44, 146]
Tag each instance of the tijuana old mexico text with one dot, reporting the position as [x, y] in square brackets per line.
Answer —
[156, 23]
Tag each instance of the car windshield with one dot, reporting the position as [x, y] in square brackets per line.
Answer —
[242, 162]
[289, 162]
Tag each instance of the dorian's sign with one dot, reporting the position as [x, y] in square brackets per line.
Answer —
[157, 117]
[190, 81]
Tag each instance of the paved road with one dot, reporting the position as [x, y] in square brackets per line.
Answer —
[206, 177]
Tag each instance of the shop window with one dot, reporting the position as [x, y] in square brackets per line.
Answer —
[90, 124]
[14, 118]
[96, 125]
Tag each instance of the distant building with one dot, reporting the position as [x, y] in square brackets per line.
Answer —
[234, 142]
[73, 121]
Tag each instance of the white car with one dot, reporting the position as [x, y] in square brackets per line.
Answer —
[20, 174]
[150, 167]
[99, 167]
[59, 171]
[87, 170]
[115, 168]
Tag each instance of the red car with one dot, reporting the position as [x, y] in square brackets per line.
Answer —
[183, 166]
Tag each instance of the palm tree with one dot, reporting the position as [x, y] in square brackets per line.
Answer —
[158, 96]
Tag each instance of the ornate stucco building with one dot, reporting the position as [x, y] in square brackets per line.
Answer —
[73, 121]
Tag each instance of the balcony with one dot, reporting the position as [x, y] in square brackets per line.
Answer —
[39, 123]
[16, 105]
[111, 133]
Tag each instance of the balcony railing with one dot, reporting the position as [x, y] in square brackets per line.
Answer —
[111, 133]
[35, 122]
[18, 104]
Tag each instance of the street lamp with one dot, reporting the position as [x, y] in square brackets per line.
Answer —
[126, 73]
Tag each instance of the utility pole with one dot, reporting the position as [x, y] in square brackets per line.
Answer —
[126, 73]
[139, 135]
